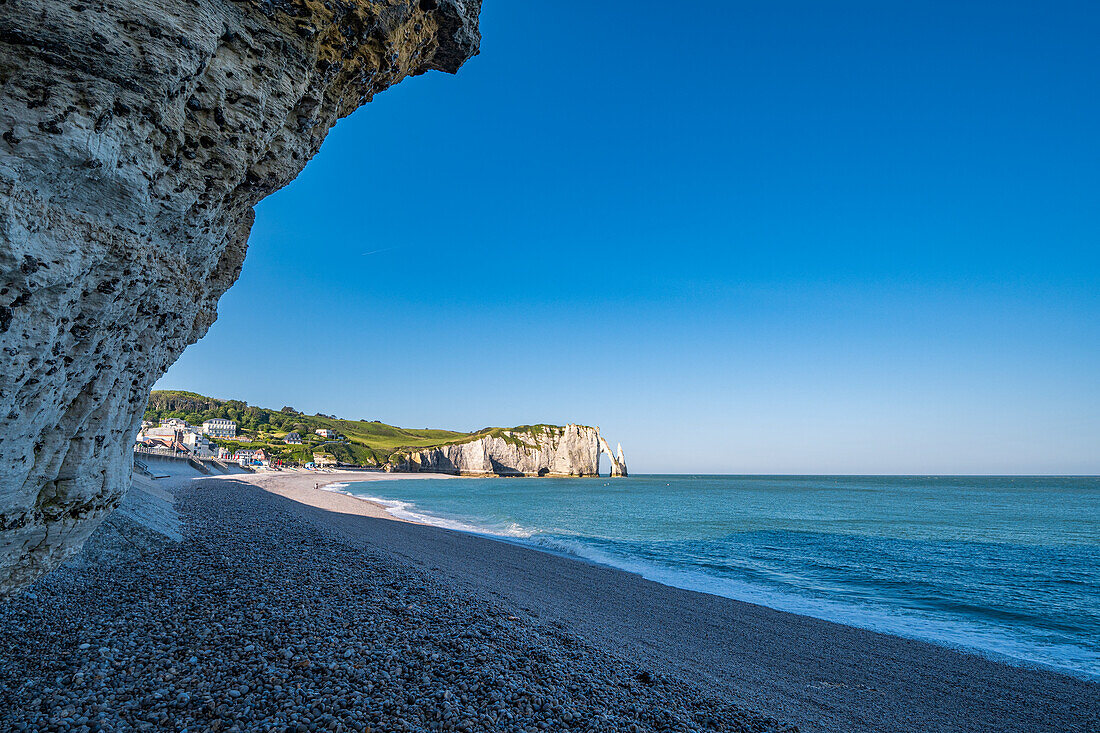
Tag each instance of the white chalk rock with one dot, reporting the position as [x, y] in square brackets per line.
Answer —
[135, 138]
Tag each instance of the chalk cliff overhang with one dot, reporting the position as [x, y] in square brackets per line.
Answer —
[135, 138]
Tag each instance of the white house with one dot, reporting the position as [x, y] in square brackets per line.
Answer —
[175, 423]
[244, 457]
[161, 432]
[326, 433]
[293, 439]
[197, 443]
[220, 428]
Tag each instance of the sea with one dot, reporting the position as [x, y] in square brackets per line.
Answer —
[1007, 566]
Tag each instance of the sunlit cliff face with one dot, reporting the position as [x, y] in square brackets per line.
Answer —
[135, 138]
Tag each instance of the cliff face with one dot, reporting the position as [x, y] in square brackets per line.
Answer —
[135, 137]
[617, 460]
[544, 450]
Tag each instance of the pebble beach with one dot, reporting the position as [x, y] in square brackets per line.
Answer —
[259, 621]
[287, 608]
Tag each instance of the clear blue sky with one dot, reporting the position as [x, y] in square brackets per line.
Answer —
[740, 237]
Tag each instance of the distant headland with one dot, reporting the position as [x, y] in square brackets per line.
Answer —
[233, 430]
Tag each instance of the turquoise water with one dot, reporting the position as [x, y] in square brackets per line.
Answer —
[1006, 566]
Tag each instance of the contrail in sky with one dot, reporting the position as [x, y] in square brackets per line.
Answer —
[384, 249]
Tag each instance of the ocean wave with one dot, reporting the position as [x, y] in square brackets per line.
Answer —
[691, 569]
[971, 637]
[519, 532]
[408, 511]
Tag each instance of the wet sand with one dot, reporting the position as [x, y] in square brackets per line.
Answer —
[302, 487]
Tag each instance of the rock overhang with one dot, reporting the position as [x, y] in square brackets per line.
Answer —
[135, 138]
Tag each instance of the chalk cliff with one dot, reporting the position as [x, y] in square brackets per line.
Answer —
[617, 461]
[135, 138]
[620, 462]
[541, 450]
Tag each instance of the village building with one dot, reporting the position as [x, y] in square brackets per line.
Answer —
[197, 443]
[173, 429]
[220, 428]
[162, 443]
[326, 433]
[244, 457]
[247, 457]
[159, 432]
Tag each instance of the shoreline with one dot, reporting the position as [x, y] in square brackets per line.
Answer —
[818, 674]
[377, 508]
[306, 609]
[262, 619]
[299, 486]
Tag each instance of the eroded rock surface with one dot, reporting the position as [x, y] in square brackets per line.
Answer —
[617, 460]
[619, 464]
[135, 138]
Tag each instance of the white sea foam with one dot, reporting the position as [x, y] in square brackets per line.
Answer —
[408, 511]
[960, 635]
[515, 530]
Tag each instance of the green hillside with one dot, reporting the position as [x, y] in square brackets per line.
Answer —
[362, 442]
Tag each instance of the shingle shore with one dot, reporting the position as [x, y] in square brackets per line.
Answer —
[261, 621]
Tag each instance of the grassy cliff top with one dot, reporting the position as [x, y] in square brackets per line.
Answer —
[368, 442]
